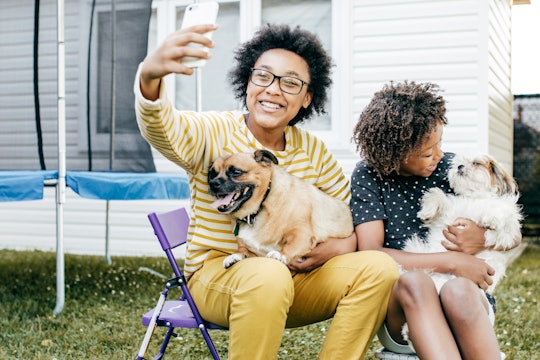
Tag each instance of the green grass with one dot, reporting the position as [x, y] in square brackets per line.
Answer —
[104, 304]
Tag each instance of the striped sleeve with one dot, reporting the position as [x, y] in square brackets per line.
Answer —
[186, 138]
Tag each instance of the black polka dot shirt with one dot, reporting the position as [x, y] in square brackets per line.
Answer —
[394, 199]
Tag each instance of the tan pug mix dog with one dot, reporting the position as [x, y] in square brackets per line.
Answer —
[277, 214]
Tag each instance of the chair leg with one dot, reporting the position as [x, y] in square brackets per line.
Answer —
[163, 347]
[152, 326]
[209, 342]
[198, 318]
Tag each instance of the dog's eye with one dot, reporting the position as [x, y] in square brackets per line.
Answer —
[235, 172]
[476, 163]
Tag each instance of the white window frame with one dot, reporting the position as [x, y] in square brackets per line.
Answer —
[100, 140]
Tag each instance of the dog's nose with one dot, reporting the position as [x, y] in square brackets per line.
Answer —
[215, 183]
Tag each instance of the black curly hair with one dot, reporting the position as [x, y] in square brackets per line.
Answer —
[303, 43]
[396, 121]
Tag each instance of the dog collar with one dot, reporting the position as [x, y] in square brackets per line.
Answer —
[250, 219]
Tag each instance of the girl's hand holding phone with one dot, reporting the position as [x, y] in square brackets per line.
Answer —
[199, 14]
[182, 50]
[168, 57]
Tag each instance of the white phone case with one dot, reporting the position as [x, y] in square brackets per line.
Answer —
[197, 14]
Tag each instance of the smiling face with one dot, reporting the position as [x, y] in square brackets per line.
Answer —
[423, 161]
[271, 109]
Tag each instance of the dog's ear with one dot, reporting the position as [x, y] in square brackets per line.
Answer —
[214, 168]
[265, 156]
[211, 171]
[506, 184]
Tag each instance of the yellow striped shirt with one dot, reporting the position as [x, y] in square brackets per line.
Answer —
[193, 140]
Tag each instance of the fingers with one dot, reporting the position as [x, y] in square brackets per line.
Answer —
[181, 45]
[302, 264]
[490, 270]
[450, 234]
[461, 222]
[451, 243]
[201, 29]
[487, 279]
[455, 229]
[167, 57]
[450, 246]
[183, 39]
[483, 285]
[194, 34]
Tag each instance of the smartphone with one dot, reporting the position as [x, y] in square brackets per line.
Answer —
[197, 14]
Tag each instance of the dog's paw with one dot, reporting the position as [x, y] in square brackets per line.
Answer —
[405, 335]
[405, 332]
[491, 220]
[277, 255]
[232, 259]
[432, 204]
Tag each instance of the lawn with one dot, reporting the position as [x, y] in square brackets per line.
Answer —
[104, 304]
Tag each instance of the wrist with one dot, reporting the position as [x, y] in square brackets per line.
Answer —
[452, 263]
[150, 88]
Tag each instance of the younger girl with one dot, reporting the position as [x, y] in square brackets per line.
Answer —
[399, 135]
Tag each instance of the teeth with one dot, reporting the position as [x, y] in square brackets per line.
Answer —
[270, 105]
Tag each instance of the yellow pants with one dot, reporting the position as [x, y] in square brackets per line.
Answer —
[257, 298]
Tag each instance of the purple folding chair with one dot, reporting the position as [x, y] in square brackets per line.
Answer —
[171, 230]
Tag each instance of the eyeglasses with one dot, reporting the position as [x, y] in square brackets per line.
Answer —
[287, 84]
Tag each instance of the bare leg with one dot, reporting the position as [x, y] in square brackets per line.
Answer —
[467, 313]
[415, 296]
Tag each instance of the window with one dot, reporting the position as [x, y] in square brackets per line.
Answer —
[127, 63]
[125, 150]
[238, 20]
[216, 94]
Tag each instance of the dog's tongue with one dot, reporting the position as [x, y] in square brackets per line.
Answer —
[222, 201]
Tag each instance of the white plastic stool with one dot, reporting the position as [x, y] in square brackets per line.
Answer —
[384, 354]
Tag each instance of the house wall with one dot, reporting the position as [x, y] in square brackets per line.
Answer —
[462, 45]
[499, 92]
[32, 224]
[17, 124]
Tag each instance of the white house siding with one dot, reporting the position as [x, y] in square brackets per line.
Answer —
[16, 109]
[32, 225]
[499, 113]
[461, 45]
[16, 93]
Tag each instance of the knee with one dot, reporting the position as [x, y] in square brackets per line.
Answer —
[414, 288]
[461, 299]
[388, 268]
[266, 282]
[457, 288]
[379, 265]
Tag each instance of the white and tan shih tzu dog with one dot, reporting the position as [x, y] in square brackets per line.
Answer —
[484, 193]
